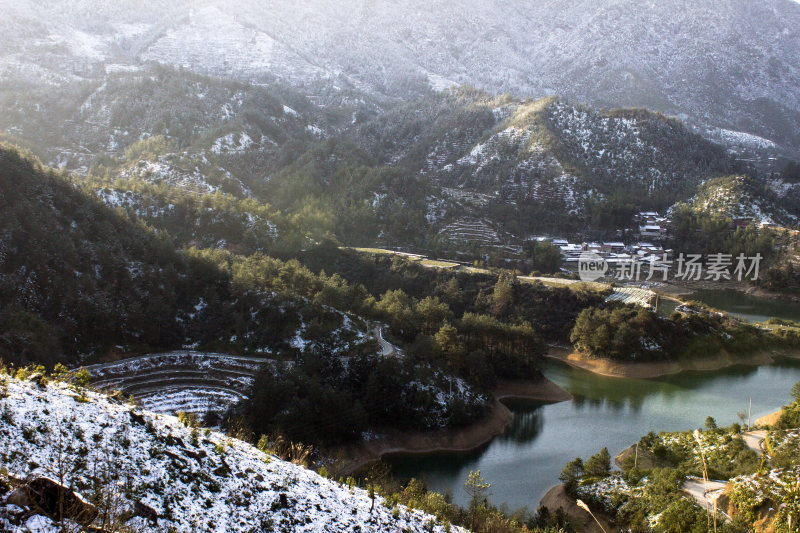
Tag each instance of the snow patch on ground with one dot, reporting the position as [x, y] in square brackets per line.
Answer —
[201, 481]
[232, 142]
[740, 138]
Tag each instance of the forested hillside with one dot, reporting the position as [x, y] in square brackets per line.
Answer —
[269, 168]
[534, 166]
[80, 278]
[76, 275]
[82, 281]
[341, 230]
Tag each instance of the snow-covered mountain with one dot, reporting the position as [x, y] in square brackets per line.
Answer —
[131, 469]
[729, 64]
[741, 197]
[488, 166]
[546, 165]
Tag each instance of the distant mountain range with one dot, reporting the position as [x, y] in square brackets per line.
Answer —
[332, 118]
[728, 68]
[437, 169]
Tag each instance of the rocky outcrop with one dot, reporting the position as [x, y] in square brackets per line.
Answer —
[557, 498]
[54, 500]
[145, 511]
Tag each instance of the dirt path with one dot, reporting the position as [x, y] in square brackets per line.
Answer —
[755, 440]
[565, 281]
[705, 492]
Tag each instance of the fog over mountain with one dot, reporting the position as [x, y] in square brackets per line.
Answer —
[725, 67]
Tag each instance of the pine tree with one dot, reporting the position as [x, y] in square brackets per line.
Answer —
[478, 490]
[599, 464]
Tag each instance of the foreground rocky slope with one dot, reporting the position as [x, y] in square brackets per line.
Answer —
[123, 467]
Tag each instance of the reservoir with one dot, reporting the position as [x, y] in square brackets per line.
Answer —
[612, 412]
[747, 306]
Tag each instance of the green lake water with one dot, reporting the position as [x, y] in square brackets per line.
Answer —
[612, 412]
[751, 308]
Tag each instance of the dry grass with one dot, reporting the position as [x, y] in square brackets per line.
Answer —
[295, 452]
[383, 251]
[572, 284]
[475, 270]
[373, 251]
[438, 264]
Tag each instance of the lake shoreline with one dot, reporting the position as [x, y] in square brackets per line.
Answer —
[680, 289]
[461, 440]
[621, 369]
[768, 420]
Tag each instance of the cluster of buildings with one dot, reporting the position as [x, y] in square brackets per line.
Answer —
[645, 243]
[651, 225]
[612, 252]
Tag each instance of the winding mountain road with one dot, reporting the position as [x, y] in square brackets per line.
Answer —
[705, 493]
[387, 348]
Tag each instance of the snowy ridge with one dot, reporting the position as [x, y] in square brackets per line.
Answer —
[171, 170]
[731, 64]
[141, 205]
[510, 163]
[566, 155]
[250, 52]
[186, 480]
[740, 138]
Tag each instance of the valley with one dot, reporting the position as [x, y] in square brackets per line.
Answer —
[407, 266]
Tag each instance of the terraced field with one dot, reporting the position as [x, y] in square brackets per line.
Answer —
[189, 381]
[471, 230]
[632, 295]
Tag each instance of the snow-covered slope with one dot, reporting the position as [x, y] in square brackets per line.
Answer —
[741, 197]
[545, 161]
[74, 121]
[146, 464]
[729, 64]
[550, 148]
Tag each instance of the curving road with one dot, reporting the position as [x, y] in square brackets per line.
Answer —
[386, 347]
[755, 440]
[705, 492]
